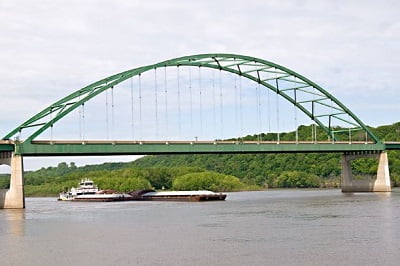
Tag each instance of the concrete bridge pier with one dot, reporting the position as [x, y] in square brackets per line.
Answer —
[14, 197]
[380, 184]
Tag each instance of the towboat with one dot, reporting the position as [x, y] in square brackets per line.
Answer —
[88, 191]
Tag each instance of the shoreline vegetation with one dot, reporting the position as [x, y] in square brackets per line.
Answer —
[216, 172]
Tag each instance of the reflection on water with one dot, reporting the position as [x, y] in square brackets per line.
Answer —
[15, 219]
[276, 227]
[382, 194]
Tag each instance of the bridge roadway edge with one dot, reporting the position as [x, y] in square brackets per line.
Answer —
[392, 146]
[96, 148]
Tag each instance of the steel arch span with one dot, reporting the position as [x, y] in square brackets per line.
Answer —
[314, 101]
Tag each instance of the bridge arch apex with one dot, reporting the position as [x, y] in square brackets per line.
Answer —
[285, 82]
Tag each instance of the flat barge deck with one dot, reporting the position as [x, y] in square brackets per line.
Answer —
[199, 195]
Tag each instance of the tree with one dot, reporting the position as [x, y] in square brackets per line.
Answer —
[295, 179]
[207, 181]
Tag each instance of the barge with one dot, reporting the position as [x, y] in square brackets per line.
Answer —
[88, 191]
[198, 195]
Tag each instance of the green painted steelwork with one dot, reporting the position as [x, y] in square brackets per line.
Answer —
[6, 147]
[43, 148]
[283, 81]
[392, 146]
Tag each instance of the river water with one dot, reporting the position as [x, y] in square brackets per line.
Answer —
[275, 227]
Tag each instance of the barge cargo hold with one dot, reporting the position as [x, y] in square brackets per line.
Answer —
[199, 195]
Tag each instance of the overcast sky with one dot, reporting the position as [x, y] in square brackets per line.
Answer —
[51, 48]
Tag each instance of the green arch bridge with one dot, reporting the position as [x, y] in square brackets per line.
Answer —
[307, 96]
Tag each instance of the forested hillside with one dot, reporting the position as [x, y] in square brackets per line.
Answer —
[265, 169]
[221, 172]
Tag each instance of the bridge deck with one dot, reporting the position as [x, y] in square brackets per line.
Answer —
[6, 145]
[392, 145]
[125, 147]
[214, 142]
[122, 147]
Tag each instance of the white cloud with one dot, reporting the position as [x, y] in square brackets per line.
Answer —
[50, 48]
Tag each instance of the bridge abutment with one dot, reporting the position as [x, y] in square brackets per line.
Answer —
[13, 198]
[380, 184]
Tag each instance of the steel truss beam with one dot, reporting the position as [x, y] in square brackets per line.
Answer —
[277, 78]
[60, 148]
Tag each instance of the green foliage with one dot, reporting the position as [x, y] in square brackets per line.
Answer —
[220, 172]
[207, 181]
[122, 184]
[162, 177]
[120, 177]
[295, 179]
[4, 181]
[364, 166]
[254, 169]
[388, 132]
[395, 178]
[263, 169]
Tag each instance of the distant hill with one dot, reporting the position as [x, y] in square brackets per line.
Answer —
[263, 169]
[253, 170]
